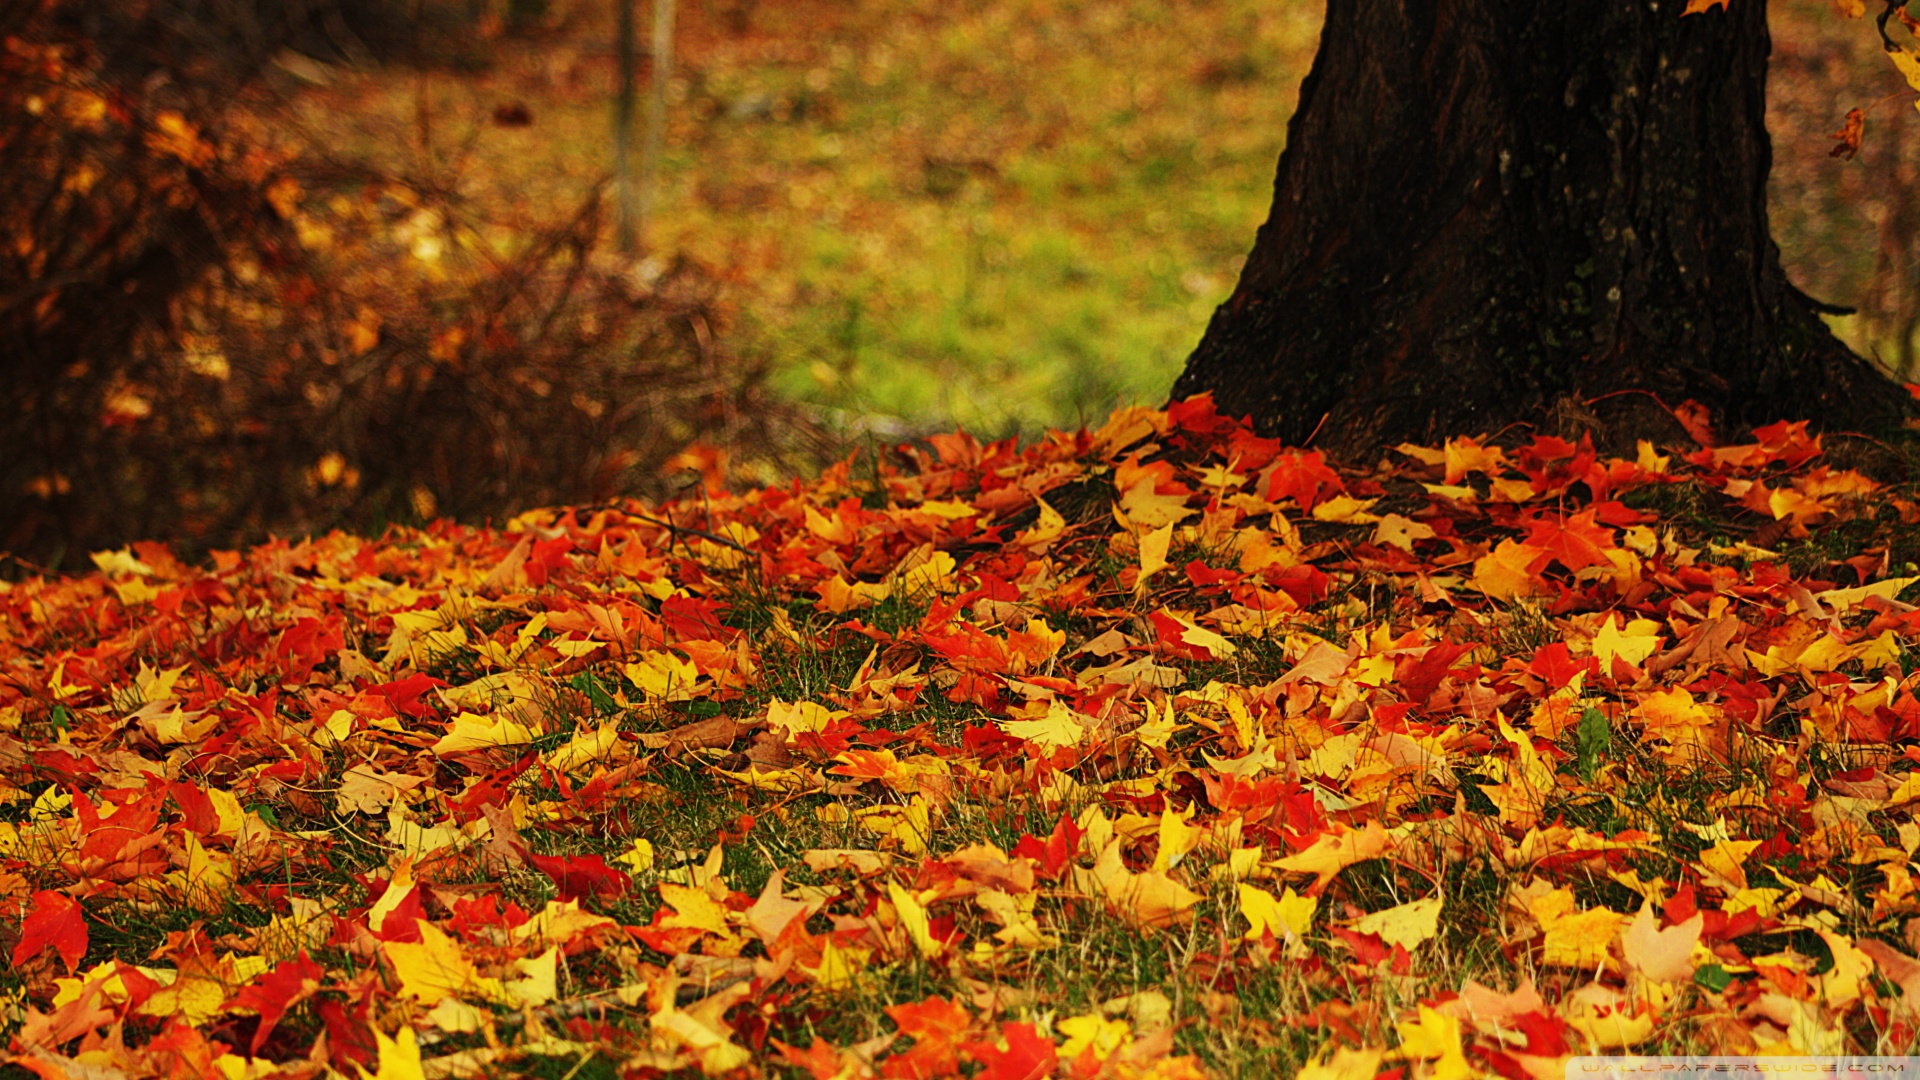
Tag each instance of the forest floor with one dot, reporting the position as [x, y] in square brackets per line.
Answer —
[1155, 750]
[1005, 215]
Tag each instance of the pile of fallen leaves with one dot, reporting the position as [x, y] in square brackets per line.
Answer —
[1476, 756]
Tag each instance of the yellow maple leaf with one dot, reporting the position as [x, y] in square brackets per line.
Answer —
[399, 886]
[1522, 782]
[1177, 838]
[410, 838]
[539, 978]
[840, 967]
[1843, 983]
[1465, 455]
[121, 561]
[1406, 925]
[1286, 917]
[773, 911]
[1334, 851]
[925, 571]
[913, 918]
[1826, 653]
[693, 909]
[1673, 715]
[639, 855]
[1457, 492]
[949, 509]
[1191, 633]
[1093, 1031]
[1435, 1036]
[1639, 640]
[1879, 652]
[1723, 862]
[1347, 1063]
[197, 990]
[1153, 555]
[207, 882]
[1575, 939]
[1509, 570]
[910, 826]
[1396, 531]
[1151, 900]
[1149, 510]
[708, 1042]
[799, 718]
[434, 968]
[790, 781]
[178, 726]
[156, 685]
[587, 747]
[1015, 916]
[663, 676]
[1060, 727]
[1606, 1018]
[558, 924]
[1043, 531]
[1785, 503]
[838, 597]
[399, 1056]
[471, 731]
[1909, 66]
[1845, 600]
[1345, 510]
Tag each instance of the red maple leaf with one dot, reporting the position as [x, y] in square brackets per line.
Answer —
[1304, 478]
[1056, 851]
[307, 644]
[1576, 541]
[546, 557]
[1029, 1055]
[288, 984]
[576, 876]
[690, 618]
[935, 1025]
[403, 695]
[55, 922]
[1418, 678]
[820, 1059]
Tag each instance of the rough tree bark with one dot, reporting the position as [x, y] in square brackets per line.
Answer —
[1499, 211]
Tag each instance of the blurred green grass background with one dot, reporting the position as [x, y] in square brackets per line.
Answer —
[1010, 214]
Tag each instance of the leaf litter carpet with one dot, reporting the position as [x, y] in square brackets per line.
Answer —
[1458, 766]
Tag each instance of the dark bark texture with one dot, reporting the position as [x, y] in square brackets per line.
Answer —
[1496, 211]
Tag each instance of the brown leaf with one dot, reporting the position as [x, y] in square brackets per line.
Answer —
[505, 846]
[770, 914]
[1898, 967]
[1850, 135]
[699, 735]
[1490, 1010]
[511, 570]
[1663, 956]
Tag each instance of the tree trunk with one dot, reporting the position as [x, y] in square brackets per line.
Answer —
[1501, 211]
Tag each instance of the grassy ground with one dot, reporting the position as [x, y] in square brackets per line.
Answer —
[1010, 214]
[1005, 214]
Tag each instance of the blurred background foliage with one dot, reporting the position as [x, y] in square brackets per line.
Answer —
[285, 265]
